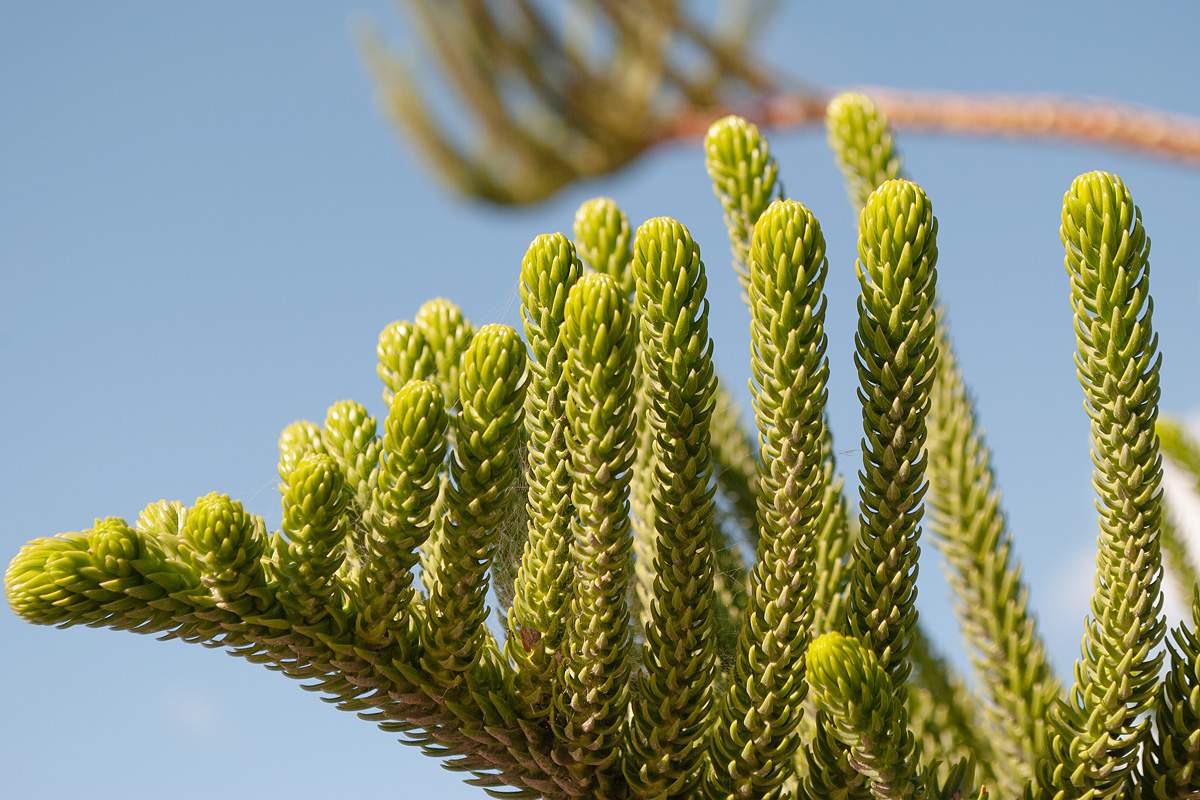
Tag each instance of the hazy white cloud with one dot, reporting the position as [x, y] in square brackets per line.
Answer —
[1184, 508]
[1070, 596]
[193, 713]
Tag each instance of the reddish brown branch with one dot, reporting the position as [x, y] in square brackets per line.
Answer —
[1103, 122]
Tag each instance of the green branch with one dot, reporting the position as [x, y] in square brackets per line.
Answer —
[1005, 647]
[760, 713]
[896, 354]
[590, 713]
[543, 588]
[674, 701]
[1098, 733]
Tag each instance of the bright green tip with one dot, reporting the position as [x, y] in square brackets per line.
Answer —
[835, 662]
[862, 143]
[1099, 214]
[162, 519]
[403, 355]
[898, 238]
[31, 583]
[850, 108]
[730, 139]
[495, 363]
[222, 534]
[597, 315]
[1101, 191]
[314, 493]
[418, 411]
[349, 428]
[670, 234]
[439, 318]
[902, 202]
[297, 440]
[113, 541]
[664, 252]
[549, 262]
[602, 234]
[787, 235]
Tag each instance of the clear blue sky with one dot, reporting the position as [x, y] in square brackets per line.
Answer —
[205, 222]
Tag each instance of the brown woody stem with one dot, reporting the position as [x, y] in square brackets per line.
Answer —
[1143, 130]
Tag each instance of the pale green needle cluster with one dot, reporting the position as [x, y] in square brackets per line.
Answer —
[862, 145]
[414, 450]
[1171, 762]
[745, 179]
[605, 240]
[1016, 680]
[688, 607]
[482, 467]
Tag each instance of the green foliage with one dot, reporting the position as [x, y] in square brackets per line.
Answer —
[858, 694]
[543, 585]
[745, 178]
[1099, 732]
[604, 237]
[590, 712]
[675, 696]
[862, 145]
[759, 716]
[896, 355]
[414, 449]
[1016, 679]
[482, 467]
[640, 656]
[1171, 763]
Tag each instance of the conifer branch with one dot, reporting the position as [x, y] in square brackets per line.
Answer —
[943, 717]
[759, 714]
[1171, 757]
[414, 448]
[484, 463]
[551, 107]
[833, 558]
[589, 716]
[672, 708]
[745, 180]
[611, 413]
[896, 354]
[737, 463]
[442, 336]
[864, 714]
[543, 587]
[604, 240]
[1098, 733]
[862, 145]
[990, 598]
[404, 355]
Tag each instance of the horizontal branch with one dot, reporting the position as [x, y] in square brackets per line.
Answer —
[1143, 130]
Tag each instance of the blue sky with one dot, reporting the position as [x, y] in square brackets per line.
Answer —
[205, 222]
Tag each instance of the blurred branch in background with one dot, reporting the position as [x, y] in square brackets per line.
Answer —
[561, 91]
